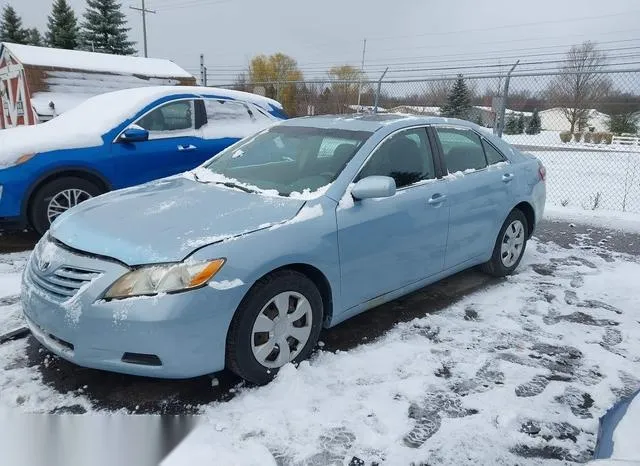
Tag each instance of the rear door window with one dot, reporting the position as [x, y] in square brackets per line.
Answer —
[227, 111]
[493, 156]
[462, 149]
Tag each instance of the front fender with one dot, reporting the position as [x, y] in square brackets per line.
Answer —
[311, 242]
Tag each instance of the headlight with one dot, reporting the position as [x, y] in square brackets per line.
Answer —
[166, 278]
[23, 158]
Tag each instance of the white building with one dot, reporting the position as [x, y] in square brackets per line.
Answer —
[554, 119]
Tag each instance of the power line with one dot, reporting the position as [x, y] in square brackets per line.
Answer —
[192, 3]
[510, 26]
[617, 57]
[323, 65]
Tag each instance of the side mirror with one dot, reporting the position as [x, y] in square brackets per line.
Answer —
[374, 186]
[134, 134]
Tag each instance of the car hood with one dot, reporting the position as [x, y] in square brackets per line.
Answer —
[45, 137]
[166, 220]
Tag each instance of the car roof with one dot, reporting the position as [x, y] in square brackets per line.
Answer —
[370, 122]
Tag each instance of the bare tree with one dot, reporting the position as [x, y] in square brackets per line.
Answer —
[345, 90]
[580, 86]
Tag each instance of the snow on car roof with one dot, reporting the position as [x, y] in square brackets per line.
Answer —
[93, 61]
[84, 125]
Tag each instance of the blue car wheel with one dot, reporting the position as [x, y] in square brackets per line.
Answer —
[278, 322]
[56, 197]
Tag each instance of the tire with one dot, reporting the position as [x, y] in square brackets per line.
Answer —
[499, 265]
[246, 336]
[42, 198]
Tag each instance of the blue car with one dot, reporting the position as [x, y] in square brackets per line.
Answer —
[241, 262]
[117, 140]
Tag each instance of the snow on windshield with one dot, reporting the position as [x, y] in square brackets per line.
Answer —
[286, 160]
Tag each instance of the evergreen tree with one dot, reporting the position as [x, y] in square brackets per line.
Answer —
[512, 126]
[62, 26]
[11, 29]
[534, 126]
[458, 101]
[521, 124]
[105, 28]
[34, 37]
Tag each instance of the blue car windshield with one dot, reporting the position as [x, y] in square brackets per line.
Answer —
[288, 158]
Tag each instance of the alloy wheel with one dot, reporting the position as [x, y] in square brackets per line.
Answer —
[65, 200]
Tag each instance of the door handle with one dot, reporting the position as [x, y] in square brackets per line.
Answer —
[507, 177]
[437, 199]
[182, 148]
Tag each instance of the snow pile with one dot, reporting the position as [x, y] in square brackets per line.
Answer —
[625, 437]
[207, 176]
[307, 194]
[347, 201]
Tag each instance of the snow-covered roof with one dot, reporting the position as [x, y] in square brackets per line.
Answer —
[92, 61]
[62, 102]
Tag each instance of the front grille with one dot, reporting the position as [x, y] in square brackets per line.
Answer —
[64, 282]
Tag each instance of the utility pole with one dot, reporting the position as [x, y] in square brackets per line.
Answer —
[144, 12]
[364, 49]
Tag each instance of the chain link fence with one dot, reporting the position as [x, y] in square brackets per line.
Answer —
[583, 126]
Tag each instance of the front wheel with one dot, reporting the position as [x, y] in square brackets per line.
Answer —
[278, 322]
[509, 247]
[56, 197]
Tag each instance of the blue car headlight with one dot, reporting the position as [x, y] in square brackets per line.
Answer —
[166, 278]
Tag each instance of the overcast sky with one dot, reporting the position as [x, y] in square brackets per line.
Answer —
[404, 34]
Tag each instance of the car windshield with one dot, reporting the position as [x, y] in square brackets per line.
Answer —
[287, 159]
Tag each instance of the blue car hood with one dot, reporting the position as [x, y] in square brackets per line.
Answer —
[166, 220]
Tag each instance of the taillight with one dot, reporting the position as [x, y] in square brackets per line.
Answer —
[542, 172]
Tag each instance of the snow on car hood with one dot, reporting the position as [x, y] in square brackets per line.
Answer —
[166, 220]
[52, 135]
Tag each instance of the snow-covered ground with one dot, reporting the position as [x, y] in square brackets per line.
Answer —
[552, 139]
[519, 371]
[576, 178]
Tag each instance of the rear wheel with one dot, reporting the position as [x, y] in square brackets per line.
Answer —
[278, 322]
[510, 245]
[56, 197]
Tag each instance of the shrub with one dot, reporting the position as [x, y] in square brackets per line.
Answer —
[607, 138]
[565, 137]
[577, 137]
[597, 138]
[588, 136]
[534, 125]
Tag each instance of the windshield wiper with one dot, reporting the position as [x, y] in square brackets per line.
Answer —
[230, 184]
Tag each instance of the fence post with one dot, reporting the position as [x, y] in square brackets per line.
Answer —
[375, 106]
[503, 104]
[202, 72]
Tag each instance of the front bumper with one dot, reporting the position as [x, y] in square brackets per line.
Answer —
[172, 336]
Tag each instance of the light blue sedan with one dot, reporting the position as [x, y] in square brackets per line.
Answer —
[241, 262]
